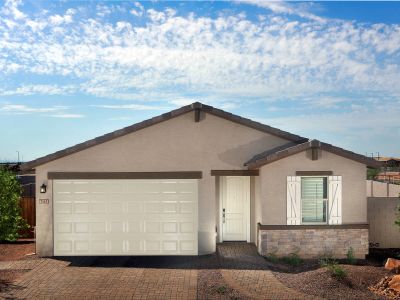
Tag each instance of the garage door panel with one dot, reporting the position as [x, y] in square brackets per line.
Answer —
[64, 227]
[134, 207]
[98, 247]
[125, 217]
[135, 246]
[81, 207]
[152, 246]
[81, 227]
[98, 207]
[98, 227]
[63, 207]
[64, 247]
[115, 207]
[188, 246]
[135, 226]
[81, 247]
[187, 207]
[170, 207]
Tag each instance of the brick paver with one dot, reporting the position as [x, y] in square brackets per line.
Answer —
[145, 277]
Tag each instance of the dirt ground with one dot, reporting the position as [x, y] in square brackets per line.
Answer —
[16, 250]
[312, 279]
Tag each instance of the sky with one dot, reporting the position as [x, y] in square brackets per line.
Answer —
[74, 70]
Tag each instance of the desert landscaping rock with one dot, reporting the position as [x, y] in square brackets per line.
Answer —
[393, 265]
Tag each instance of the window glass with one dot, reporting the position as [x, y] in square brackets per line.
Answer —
[313, 199]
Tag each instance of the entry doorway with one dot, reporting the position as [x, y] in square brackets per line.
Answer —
[234, 208]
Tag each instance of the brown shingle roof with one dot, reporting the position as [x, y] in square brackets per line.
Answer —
[289, 149]
[164, 117]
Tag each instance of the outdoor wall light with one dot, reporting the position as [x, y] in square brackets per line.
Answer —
[43, 188]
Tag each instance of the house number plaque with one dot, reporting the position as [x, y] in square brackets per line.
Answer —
[43, 201]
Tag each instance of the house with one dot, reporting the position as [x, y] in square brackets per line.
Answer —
[181, 182]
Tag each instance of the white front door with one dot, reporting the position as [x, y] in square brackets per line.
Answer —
[235, 208]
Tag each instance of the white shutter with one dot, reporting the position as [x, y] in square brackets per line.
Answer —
[335, 199]
[293, 200]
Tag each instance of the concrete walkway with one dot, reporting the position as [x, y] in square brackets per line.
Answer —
[145, 277]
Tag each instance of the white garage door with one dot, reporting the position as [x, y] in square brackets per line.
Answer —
[125, 217]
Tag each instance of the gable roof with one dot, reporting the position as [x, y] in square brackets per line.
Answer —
[291, 148]
[158, 119]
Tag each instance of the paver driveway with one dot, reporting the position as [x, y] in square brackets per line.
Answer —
[146, 277]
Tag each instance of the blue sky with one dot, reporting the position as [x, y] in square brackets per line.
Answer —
[73, 70]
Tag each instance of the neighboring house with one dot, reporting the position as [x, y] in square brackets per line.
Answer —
[390, 170]
[181, 182]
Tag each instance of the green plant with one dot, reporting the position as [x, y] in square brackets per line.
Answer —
[272, 256]
[221, 289]
[337, 271]
[372, 172]
[333, 267]
[11, 221]
[350, 256]
[292, 259]
[326, 261]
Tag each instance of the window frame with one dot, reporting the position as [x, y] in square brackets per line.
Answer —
[327, 201]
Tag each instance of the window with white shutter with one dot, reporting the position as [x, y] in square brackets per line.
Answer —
[314, 200]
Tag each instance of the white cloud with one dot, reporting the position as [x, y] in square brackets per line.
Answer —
[224, 60]
[67, 116]
[43, 89]
[281, 7]
[135, 107]
[19, 108]
[10, 8]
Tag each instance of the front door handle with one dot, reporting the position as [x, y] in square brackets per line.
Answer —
[223, 215]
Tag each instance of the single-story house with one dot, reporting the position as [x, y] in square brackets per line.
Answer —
[181, 182]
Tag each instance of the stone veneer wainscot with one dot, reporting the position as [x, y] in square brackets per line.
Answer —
[313, 241]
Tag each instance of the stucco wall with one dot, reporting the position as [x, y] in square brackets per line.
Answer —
[273, 185]
[382, 189]
[178, 144]
[381, 216]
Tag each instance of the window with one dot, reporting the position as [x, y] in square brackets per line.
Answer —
[314, 194]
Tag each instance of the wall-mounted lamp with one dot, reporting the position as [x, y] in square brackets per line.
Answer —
[43, 188]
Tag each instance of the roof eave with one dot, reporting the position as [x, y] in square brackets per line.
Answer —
[369, 162]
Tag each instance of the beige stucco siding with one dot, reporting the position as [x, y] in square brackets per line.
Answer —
[179, 144]
[273, 185]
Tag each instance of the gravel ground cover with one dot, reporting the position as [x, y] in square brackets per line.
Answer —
[312, 279]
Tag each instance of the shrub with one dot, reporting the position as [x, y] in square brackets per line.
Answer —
[11, 221]
[337, 271]
[350, 256]
[272, 257]
[293, 259]
[333, 267]
[221, 289]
